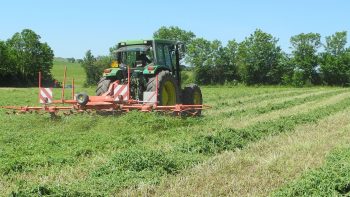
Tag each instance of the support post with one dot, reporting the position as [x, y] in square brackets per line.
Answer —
[156, 90]
[64, 83]
[39, 85]
[73, 89]
[128, 83]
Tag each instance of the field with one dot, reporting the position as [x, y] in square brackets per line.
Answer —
[255, 141]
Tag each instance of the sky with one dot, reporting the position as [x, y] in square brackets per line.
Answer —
[73, 27]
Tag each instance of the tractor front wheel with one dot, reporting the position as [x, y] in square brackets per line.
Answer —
[168, 90]
[192, 95]
[102, 86]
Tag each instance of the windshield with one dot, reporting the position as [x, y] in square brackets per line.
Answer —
[133, 48]
[135, 55]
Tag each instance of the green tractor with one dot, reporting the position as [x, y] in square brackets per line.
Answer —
[147, 59]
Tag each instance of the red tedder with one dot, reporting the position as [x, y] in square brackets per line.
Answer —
[116, 99]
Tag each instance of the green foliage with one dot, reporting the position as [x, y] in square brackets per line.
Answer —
[332, 179]
[4, 60]
[213, 63]
[258, 59]
[28, 56]
[94, 67]
[174, 33]
[305, 58]
[335, 61]
[22, 57]
[71, 60]
[335, 44]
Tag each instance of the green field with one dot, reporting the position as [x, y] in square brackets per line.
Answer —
[73, 70]
[254, 141]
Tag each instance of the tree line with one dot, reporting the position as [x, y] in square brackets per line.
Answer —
[22, 57]
[258, 59]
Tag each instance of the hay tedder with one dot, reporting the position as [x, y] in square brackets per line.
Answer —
[145, 75]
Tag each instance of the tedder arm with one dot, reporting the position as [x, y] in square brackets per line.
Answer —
[116, 99]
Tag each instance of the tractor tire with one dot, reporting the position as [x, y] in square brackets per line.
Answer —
[102, 86]
[168, 90]
[192, 95]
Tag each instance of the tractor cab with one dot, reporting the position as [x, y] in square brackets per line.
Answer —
[134, 56]
[150, 56]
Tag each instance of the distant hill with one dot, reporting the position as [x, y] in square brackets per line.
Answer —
[60, 59]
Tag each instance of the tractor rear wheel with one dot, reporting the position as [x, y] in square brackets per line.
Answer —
[168, 90]
[192, 95]
[102, 86]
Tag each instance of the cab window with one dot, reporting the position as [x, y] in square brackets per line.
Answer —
[160, 54]
[167, 54]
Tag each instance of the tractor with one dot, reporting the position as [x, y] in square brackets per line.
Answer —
[144, 60]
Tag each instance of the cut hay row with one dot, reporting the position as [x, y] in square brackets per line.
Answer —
[261, 167]
[279, 103]
[259, 101]
[331, 179]
[251, 116]
[227, 100]
[242, 122]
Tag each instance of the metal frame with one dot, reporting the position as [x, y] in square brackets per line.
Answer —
[105, 103]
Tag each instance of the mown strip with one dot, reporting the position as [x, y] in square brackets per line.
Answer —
[333, 179]
[261, 167]
[280, 105]
[242, 122]
[239, 101]
[230, 139]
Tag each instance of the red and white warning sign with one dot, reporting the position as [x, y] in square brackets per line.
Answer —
[149, 97]
[121, 90]
[45, 95]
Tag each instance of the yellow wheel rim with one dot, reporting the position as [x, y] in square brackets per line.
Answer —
[197, 98]
[80, 97]
[168, 93]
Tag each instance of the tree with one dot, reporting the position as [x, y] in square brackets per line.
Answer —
[304, 51]
[29, 56]
[285, 70]
[335, 44]
[334, 62]
[174, 33]
[213, 62]
[198, 52]
[94, 67]
[230, 56]
[258, 57]
[88, 65]
[71, 60]
[4, 66]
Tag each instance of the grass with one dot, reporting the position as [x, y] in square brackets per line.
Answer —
[332, 179]
[73, 70]
[261, 167]
[90, 155]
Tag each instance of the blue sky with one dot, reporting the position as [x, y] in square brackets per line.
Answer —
[73, 27]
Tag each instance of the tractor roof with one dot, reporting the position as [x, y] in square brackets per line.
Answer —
[144, 41]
